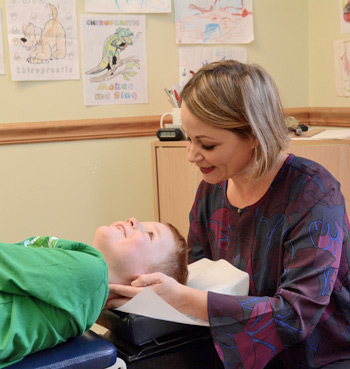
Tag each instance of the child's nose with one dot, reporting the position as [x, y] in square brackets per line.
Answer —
[134, 223]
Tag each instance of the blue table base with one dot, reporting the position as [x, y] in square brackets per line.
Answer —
[88, 351]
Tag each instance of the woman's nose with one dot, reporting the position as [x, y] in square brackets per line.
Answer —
[193, 154]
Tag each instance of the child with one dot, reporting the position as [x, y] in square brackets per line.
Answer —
[52, 289]
[132, 248]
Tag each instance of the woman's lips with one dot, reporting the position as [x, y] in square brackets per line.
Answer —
[206, 170]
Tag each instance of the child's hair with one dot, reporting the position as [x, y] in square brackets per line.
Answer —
[174, 265]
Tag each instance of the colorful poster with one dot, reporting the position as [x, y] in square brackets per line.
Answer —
[128, 6]
[2, 56]
[193, 58]
[114, 59]
[43, 41]
[214, 21]
[344, 16]
[342, 67]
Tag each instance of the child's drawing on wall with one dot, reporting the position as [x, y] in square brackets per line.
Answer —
[42, 39]
[342, 67]
[344, 16]
[114, 59]
[214, 22]
[46, 43]
[128, 6]
[2, 54]
[195, 57]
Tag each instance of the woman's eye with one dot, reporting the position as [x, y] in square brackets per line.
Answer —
[208, 148]
[150, 235]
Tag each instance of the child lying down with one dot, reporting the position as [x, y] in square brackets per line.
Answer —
[52, 289]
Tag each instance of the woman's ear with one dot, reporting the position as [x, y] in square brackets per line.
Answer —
[256, 142]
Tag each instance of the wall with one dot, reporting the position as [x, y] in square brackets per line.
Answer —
[324, 29]
[63, 100]
[67, 189]
[280, 52]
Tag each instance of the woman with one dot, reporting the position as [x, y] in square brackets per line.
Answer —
[278, 217]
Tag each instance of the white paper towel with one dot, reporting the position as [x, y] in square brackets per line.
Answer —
[207, 275]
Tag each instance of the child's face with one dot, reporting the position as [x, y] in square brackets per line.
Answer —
[130, 247]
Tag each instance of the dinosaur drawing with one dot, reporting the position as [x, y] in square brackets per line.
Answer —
[111, 59]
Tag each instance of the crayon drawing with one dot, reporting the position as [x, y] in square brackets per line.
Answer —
[214, 22]
[128, 6]
[193, 58]
[45, 44]
[2, 55]
[111, 61]
[344, 16]
[342, 67]
[43, 40]
[114, 59]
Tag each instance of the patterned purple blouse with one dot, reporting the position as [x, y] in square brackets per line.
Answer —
[294, 243]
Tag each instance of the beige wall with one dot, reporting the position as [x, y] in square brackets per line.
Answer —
[324, 29]
[280, 45]
[68, 189]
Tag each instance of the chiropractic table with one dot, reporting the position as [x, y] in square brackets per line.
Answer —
[146, 342]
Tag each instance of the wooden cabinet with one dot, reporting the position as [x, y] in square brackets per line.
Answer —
[176, 180]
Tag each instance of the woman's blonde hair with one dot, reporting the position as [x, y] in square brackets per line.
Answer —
[244, 99]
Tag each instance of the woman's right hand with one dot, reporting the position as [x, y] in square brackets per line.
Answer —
[185, 299]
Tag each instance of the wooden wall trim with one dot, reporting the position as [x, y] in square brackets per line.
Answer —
[336, 117]
[73, 130]
[327, 117]
[92, 129]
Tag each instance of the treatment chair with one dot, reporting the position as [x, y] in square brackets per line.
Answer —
[89, 351]
[147, 343]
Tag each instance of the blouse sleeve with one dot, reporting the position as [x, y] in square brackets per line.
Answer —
[249, 331]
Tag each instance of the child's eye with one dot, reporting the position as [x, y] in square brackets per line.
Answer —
[150, 235]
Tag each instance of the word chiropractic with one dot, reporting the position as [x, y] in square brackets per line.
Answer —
[92, 22]
[43, 70]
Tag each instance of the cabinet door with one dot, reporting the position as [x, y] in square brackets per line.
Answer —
[177, 184]
[334, 157]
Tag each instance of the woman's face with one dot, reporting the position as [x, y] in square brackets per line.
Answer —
[219, 154]
[130, 247]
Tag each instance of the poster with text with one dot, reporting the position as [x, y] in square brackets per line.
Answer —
[193, 58]
[344, 16]
[43, 41]
[342, 67]
[128, 6]
[2, 56]
[214, 22]
[114, 59]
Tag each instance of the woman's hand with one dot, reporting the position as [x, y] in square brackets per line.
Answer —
[161, 284]
[185, 299]
[115, 299]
